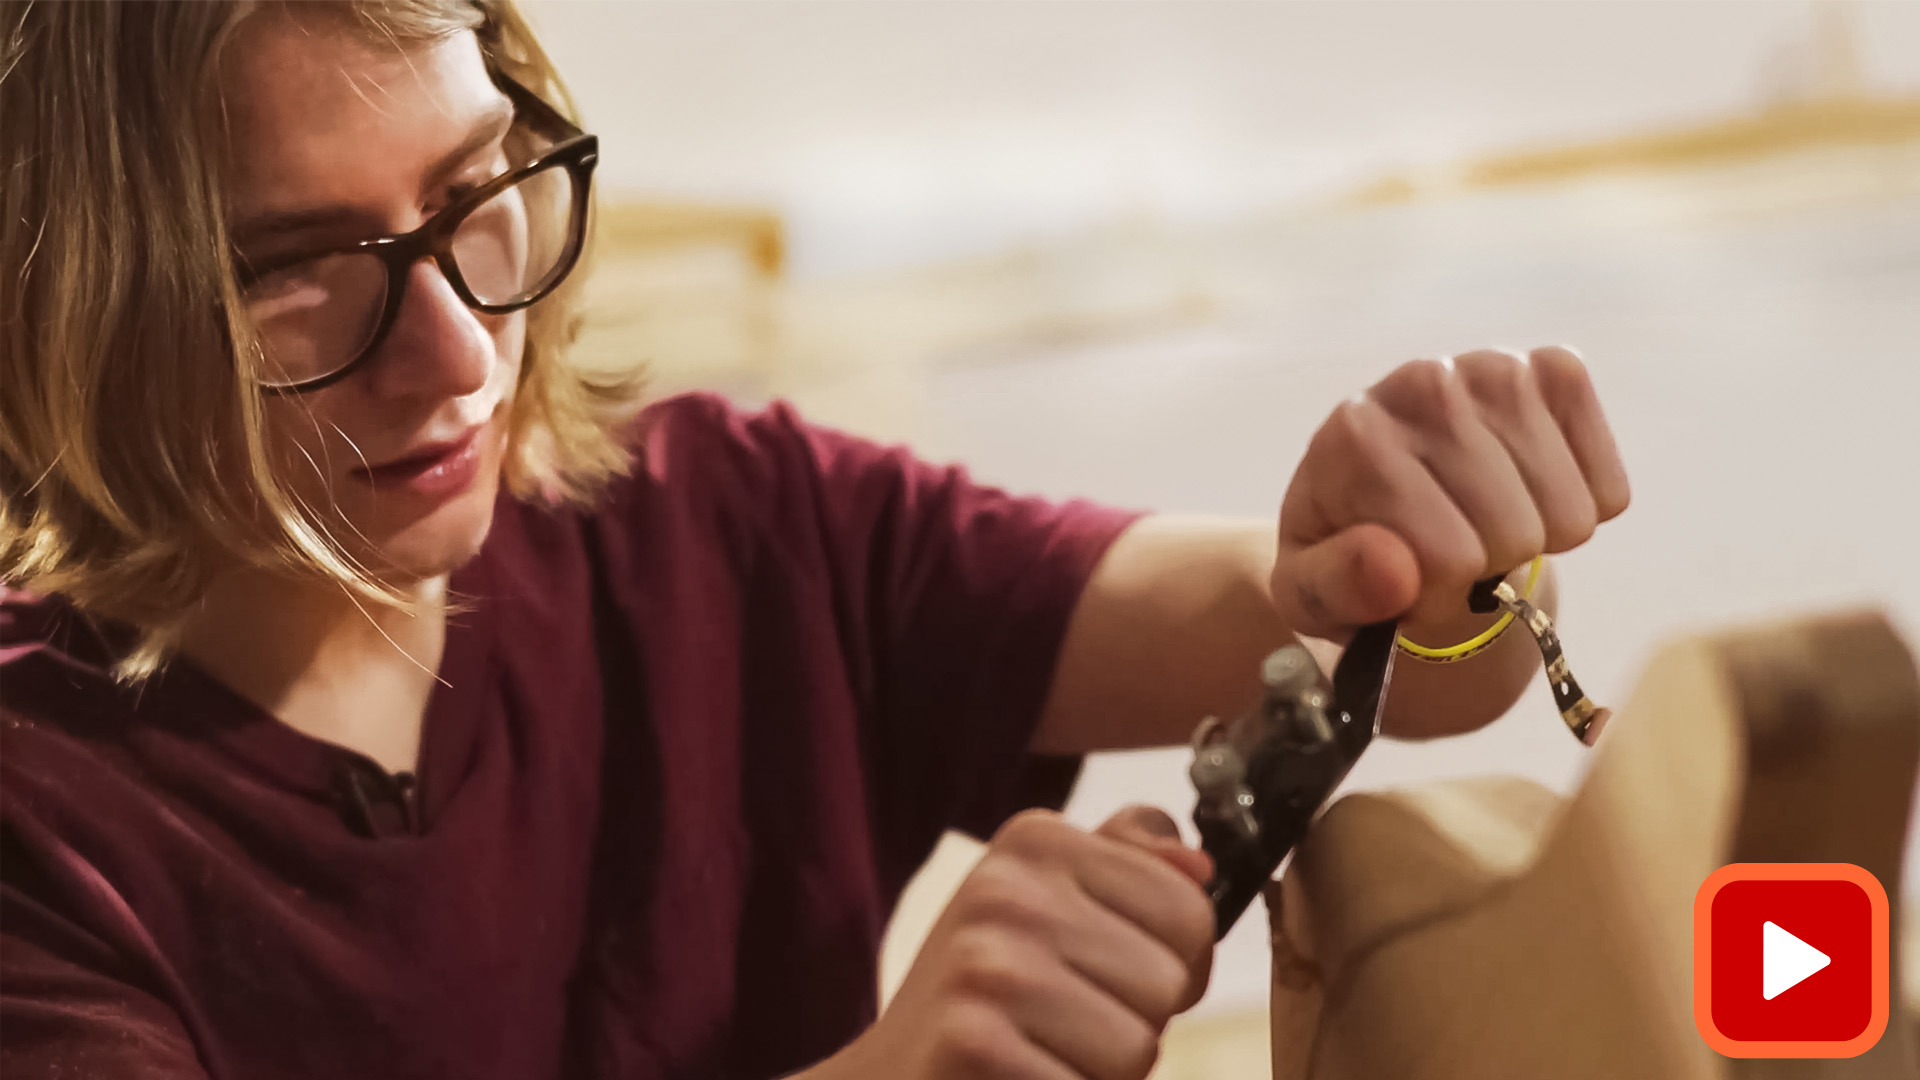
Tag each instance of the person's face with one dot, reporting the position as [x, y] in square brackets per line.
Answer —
[336, 141]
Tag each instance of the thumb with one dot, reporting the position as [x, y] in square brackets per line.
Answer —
[1154, 832]
[1362, 574]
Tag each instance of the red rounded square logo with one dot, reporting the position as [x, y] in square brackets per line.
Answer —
[1790, 960]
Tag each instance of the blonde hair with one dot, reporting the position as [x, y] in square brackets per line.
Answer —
[133, 464]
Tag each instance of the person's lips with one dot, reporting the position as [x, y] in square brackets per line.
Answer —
[436, 470]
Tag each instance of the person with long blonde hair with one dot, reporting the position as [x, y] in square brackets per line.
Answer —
[382, 695]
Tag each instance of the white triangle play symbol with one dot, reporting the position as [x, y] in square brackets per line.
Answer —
[1785, 960]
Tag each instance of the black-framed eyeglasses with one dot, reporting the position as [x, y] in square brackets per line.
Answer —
[503, 246]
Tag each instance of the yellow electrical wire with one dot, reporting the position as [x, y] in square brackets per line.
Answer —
[1479, 641]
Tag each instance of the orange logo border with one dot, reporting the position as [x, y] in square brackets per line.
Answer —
[1703, 951]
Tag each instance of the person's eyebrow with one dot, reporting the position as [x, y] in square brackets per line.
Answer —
[487, 129]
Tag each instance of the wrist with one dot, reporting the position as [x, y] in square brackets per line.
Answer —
[1466, 633]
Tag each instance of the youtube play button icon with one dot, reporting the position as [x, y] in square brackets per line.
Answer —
[1786, 961]
[1790, 960]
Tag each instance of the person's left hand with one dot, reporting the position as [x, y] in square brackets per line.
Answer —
[1441, 474]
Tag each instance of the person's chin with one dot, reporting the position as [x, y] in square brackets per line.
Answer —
[440, 542]
[419, 558]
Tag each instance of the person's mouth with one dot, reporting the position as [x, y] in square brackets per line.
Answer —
[439, 469]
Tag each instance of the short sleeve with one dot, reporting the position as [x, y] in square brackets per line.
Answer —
[952, 601]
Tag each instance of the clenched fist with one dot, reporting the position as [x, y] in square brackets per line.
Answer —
[1445, 472]
[1061, 957]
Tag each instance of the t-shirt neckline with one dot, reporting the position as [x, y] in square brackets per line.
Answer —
[187, 696]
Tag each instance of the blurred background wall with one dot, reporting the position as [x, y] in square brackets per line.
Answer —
[1138, 250]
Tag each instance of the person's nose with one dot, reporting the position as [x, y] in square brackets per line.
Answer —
[438, 347]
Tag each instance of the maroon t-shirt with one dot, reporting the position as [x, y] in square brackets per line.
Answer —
[688, 749]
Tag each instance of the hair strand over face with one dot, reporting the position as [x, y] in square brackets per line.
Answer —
[133, 461]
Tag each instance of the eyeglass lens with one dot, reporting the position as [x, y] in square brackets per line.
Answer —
[317, 316]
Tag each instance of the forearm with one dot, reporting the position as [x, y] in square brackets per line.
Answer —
[1171, 628]
[1177, 617]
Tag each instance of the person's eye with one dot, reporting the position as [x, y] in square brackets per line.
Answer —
[286, 290]
[462, 188]
[449, 196]
[483, 172]
[298, 255]
[289, 277]
[256, 283]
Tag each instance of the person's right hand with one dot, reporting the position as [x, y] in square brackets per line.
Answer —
[1062, 956]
